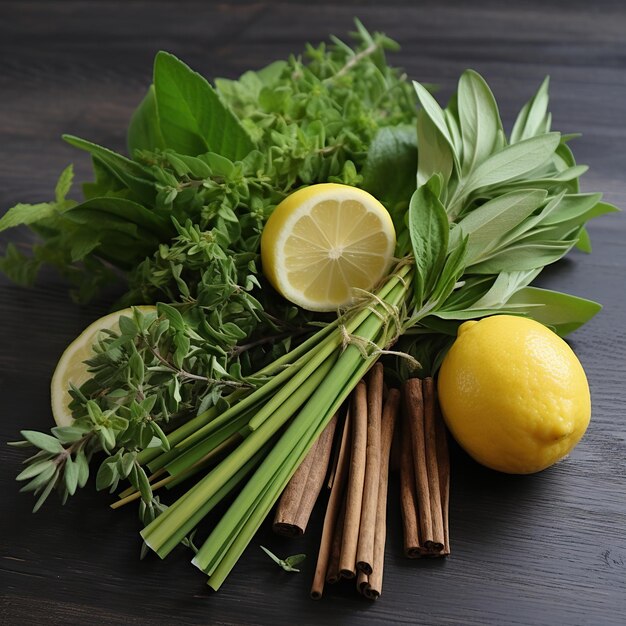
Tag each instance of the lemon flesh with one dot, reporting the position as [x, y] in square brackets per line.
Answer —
[513, 394]
[325, 242]
[71, 367]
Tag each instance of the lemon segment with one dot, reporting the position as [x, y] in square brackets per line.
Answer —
[324, 242]
[71, 367]
[513, 394]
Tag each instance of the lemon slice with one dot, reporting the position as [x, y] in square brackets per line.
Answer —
[71, 367]
[323, 242]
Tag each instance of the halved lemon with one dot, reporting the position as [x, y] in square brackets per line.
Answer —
[71, 367]
[324, 242]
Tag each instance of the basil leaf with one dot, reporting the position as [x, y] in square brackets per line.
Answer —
[561, 311]
[144, 131]
[584, 241]
[192, 117]
[428, 230]
[479, 120]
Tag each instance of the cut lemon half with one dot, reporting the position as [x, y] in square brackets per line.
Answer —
[71, 367]
[324, 242]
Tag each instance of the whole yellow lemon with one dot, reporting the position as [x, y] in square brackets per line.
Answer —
[513, 394]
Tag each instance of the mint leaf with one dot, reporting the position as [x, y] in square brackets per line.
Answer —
[192, 117]
[64, 184]
[26, 214]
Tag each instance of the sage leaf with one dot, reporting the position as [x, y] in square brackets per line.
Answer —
[513, 161]
[561, 311]
[487, 224]
[524, 256]
[434, 112]
[479, 120]
[533, 118]
[435, 156]
[192, 117]
[43, 441]
[428, 229]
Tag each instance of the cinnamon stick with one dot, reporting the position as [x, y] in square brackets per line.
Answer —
[414, 408]
[367, 528]
[362, 582]
[332, 572]
[408, 497]
[375, 580]
[443, 462]
[291, 519]
[354, 496]
[434, 491]
[332, 510]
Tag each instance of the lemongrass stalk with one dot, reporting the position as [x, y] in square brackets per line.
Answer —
[220, 568]
[217, 497]
[191, 426]
[196, 445]
[179, 517]
[250, 508]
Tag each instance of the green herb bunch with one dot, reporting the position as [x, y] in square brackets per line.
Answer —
[227, 382]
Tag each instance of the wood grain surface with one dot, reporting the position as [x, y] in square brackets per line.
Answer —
[543, 549]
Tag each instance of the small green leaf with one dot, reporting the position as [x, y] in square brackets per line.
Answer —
[47, 491]
[83, 468]
[35, 469]
[70, 475]
[64, 184]
[43, 441]
[272, 556]
[26, 214]
[295, 559]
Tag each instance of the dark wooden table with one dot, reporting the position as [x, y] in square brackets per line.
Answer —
[544, 549]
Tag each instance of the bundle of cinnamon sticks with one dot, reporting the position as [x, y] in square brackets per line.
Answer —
[424, 472]
[353, 536]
